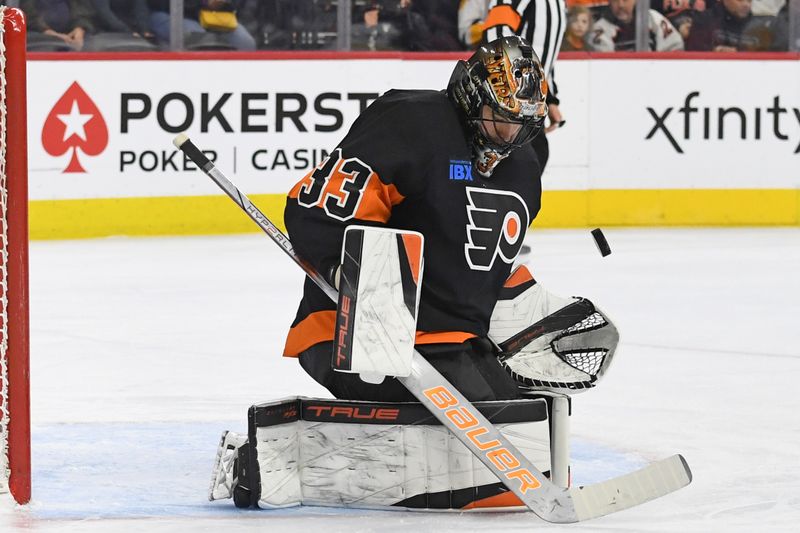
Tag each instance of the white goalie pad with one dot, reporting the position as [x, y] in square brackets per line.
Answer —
[384, 455]
[376, 319]
[549, 342]
[223, 475]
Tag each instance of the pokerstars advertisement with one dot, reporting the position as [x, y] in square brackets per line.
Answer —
[104, 129]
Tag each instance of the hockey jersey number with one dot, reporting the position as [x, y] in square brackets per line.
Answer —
[496, 228]
[338, 184]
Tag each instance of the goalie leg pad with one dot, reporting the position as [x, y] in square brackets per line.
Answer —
[383, 455]
[224, 476]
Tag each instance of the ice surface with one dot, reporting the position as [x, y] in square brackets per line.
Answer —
[144, 350]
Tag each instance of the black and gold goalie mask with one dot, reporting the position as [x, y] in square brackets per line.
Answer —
[501, 89]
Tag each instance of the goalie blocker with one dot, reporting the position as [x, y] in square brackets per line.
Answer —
[305, 451]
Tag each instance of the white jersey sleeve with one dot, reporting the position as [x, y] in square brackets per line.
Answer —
[603, 33]
[666, 36]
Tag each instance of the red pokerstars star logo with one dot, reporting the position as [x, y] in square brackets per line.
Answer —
[74, 123]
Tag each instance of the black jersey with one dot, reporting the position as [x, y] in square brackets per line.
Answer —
[405, 164]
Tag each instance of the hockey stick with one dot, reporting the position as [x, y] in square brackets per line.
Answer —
[448, 405]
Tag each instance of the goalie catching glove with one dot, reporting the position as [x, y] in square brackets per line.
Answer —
[548, 342]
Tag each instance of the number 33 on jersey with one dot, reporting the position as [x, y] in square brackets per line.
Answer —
[338, 186]
[496, 219]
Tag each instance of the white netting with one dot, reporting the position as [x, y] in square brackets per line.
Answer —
[589, 361]
[3, 273]
[593, 321]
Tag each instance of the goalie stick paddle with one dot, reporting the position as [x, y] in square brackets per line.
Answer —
[547, 500]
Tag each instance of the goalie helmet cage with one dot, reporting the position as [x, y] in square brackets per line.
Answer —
[15, 463]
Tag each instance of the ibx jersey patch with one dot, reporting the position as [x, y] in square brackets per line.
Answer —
[496, 228]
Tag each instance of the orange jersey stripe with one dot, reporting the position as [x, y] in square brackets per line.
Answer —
[520, 275]
[378, 200]
[319, 327]
[503, 15]
[442, 337]
[315, 328]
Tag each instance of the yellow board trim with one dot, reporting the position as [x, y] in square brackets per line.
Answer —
[673, 207]
[179, 215]
[209, 215]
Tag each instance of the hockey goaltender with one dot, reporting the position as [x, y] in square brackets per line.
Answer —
[441, 185]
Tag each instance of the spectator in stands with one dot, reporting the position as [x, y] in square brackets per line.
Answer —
[123, 16]
[415, 25]
[434, 26]
[596, 7]
[263, 21]
[236, 36]
[780, 35]
[297, 24]
[579, 25]
[378, 25]
[730, 27]
[683, 23]
[681, 13]
[254, 15]
[615, 30]
[67, 21]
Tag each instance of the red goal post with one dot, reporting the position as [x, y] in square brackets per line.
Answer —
[15, 455]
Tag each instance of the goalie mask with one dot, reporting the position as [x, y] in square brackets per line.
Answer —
[501, 90]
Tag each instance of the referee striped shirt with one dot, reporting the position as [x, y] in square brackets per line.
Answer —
[540, 22]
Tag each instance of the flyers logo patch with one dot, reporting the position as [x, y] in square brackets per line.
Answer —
[497, 223]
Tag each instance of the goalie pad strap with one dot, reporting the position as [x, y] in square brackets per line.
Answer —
[385, 413]
[360, 454]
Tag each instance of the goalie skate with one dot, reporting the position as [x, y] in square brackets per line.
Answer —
[223, 476]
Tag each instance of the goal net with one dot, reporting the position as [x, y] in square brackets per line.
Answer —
[15, 472]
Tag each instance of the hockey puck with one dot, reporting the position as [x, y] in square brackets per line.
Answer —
[601, 242]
